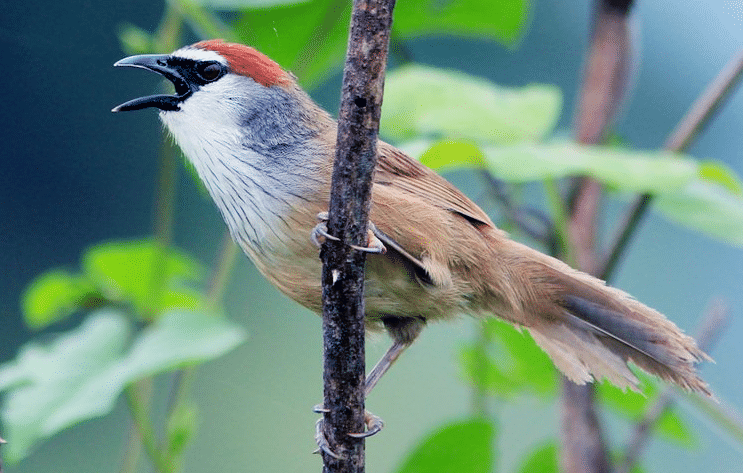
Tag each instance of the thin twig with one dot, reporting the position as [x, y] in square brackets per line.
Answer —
[528, 220]
[138, 400]
[679, 140]
[350, 202]
[713, 324]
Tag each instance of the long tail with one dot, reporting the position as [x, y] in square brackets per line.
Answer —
[591, 330]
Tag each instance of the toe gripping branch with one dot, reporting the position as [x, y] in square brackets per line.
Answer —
[375, 245]
[374, 425]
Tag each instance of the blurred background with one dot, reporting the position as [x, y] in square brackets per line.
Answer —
[72, 174]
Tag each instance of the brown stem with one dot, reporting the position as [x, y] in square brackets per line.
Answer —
[350, 201]
[583, 446]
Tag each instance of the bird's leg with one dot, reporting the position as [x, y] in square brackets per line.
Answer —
[374, 245]
[384, 364]
[403, 331]
[374, 424]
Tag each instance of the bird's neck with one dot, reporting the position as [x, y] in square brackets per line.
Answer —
[257, 164]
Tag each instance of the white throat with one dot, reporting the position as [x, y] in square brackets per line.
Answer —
[254, 185]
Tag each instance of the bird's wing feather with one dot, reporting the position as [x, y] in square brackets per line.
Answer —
[408, 175]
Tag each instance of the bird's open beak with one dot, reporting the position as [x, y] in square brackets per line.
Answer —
[158, 63]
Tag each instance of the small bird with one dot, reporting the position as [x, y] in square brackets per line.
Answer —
[265, 151]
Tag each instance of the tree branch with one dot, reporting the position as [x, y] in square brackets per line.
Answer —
[583, 446]
[688, 128]
[350, 201]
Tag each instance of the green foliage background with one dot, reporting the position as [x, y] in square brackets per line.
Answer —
[143, 315]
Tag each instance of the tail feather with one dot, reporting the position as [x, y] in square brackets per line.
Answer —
[591, 331]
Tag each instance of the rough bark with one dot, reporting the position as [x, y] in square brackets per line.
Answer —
[343, 267]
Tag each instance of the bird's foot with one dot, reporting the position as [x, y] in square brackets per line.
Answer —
[374, 425]
[375, 246]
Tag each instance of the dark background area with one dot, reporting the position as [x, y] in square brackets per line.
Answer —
[73, 174]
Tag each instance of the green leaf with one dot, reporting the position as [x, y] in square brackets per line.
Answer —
[135, 40]
[628, 403]
[503, 21]
[81, 374]
[631, 171]
[444, 155]
[44, 380]
[719, 173]
[542, 460]
[53, 296]
[465, 447]
[421, 100]
[245, 4]
[180, 337]
[672, 427]
[706, 207]
[633, 405]
[702, 196]
[151, 278]
[508, 362]
[181, 427]
[308, 39]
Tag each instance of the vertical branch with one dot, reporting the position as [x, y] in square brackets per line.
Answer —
[350, 201]
[605, 82]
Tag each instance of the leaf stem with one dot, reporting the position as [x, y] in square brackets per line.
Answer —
[560, 220]
[203, 22]
[222, 272]
[137, 396]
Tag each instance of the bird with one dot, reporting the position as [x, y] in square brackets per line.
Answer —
[264, 151]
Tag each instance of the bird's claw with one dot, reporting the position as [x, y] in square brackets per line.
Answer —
[374, 425]
[322, 442]
[319, 409]
[375, 245]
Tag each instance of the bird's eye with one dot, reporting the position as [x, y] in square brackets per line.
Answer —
[209, 71]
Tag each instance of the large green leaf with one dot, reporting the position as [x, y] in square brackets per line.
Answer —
[632, 171]
[309, 38]
[421, 100]
[633, 405]
[507, 361]
[542, 460]
[80, 375]
[502, 21]
[702, 195]
[465, 447]
[706, 207]
[245, 4]
[150, 277]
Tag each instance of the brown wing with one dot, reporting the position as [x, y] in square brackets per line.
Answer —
[408, 175]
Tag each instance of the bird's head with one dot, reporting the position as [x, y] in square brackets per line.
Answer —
[231, 96]
[208, 66]
[250, 131]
